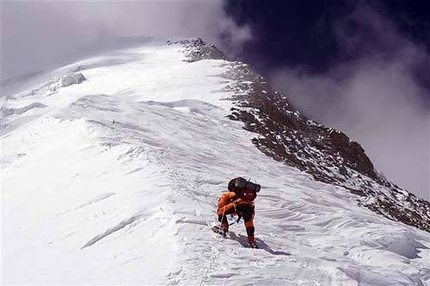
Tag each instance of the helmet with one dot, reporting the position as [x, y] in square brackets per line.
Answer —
[240, 183]
[236, 185]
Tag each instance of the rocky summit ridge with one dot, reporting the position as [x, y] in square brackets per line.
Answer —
[328, 155]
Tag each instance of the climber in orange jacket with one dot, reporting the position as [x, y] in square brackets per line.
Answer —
[239, 200]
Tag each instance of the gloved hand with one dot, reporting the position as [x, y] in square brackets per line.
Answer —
[238, 201]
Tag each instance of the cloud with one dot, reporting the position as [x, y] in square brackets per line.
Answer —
[373, 95]
[41, 35]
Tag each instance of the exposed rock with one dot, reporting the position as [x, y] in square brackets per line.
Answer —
[73, 78]
[197, 49]
[52, 86]
[65, 81]
[325, 153]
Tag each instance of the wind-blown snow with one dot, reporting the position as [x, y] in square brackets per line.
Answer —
[114, 180]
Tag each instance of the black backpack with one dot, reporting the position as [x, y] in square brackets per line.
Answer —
[239, 184]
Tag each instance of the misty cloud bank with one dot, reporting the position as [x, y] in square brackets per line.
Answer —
[43, 35]
[375, 99]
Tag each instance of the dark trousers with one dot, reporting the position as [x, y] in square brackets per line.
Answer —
[244, 210]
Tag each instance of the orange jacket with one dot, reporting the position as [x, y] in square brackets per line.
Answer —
[229, 200]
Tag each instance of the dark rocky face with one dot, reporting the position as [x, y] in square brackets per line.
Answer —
[284, 134]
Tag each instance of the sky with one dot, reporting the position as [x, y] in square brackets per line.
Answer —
[359, 66]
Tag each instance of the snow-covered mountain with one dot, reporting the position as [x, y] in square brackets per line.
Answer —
[112, 167]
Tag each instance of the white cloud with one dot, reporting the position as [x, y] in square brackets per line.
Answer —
[40, 35]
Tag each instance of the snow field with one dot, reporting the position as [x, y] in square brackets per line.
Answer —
[116, 181]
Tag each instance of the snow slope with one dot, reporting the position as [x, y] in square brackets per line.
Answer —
[114, 180]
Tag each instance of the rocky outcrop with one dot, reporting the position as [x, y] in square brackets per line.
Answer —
[284, 134]
[52, 86]
[197, 49]
[73, 78]
[325, 153]
[287, 135]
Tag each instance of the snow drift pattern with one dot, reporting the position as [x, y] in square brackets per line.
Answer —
[115, 181]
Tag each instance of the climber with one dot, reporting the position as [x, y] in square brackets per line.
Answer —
[239, 200]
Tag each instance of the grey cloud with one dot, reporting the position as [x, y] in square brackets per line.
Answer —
[43, 35]
[375, 99]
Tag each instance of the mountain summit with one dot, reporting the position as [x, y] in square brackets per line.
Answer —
[112, 166]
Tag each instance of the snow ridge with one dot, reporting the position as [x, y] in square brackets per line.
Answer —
[116, 179]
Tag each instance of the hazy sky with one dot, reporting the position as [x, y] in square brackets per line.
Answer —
[360, 66]
[38, 35]
[376, 98]
[346, 63]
